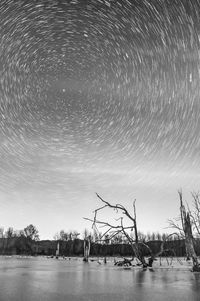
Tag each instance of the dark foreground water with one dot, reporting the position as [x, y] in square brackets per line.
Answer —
[27, 279]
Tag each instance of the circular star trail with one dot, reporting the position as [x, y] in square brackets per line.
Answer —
[96, 94]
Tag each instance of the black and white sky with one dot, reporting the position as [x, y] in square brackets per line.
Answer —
[97, 96]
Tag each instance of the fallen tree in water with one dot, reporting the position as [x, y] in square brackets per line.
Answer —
[124, 262]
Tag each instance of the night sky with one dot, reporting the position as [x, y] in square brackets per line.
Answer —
[97, 96]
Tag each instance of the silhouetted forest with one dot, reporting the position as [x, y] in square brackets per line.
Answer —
[27, 242]
[27, 246]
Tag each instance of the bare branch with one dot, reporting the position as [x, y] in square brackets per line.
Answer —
[117, 206]
[174, 225]
[103, 223]
[134, 208]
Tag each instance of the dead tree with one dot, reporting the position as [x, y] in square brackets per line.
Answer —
[187, 229]
[194, 217]
[195, 214]
[87, 242]
[119, 228]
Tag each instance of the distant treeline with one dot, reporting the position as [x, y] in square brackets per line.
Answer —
[26, 242]
[32, 232]
[26, 246]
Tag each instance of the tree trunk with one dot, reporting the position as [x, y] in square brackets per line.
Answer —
[86, 249]
[136, 246]
[189, 244]
[139, 255]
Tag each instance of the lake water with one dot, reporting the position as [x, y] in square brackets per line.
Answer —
[28, 279]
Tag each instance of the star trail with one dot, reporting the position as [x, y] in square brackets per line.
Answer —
[97, 96]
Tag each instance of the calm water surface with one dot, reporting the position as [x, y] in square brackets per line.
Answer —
[27, 279]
